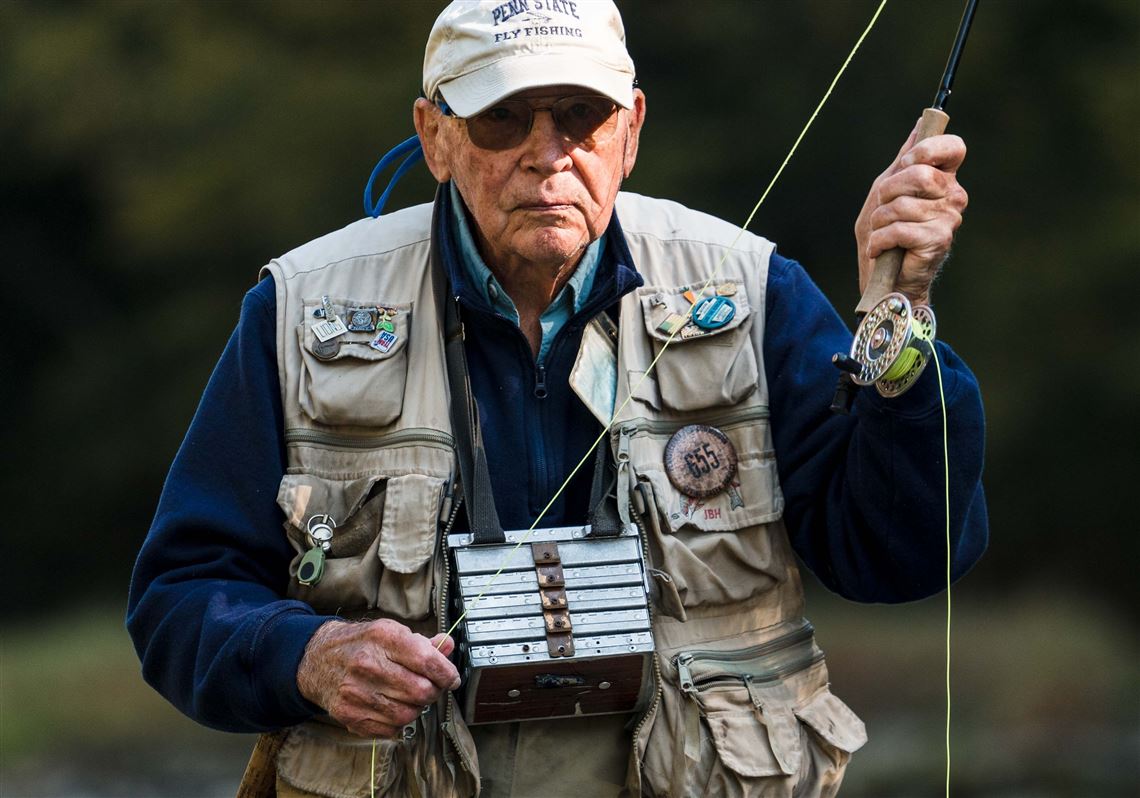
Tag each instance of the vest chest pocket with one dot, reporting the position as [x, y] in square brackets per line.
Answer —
[703, 366]
[383, 544]
[355, 378]
[719, 549]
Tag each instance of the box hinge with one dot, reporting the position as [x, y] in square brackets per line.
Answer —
[552, 589]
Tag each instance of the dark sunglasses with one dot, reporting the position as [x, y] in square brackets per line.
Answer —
[583, 120]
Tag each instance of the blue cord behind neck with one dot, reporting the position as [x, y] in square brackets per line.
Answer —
[411, 152]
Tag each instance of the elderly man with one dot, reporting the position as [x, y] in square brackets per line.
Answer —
[332, 414]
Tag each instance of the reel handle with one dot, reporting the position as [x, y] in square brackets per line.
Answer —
[887, 266]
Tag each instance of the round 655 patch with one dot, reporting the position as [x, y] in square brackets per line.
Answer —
[700, 460]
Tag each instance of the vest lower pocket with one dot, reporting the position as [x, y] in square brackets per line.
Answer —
[830, 734]
[327, 760]
[383, 543]
[406, 545]
[742, 722]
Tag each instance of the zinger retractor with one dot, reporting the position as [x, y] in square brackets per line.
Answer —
[892, 346]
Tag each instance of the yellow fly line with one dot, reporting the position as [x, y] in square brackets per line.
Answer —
[946, 474]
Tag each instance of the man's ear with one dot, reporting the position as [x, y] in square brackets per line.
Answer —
[429, 124]
[636, 117]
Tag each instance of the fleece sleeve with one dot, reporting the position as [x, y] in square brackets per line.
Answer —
[206, 609]
[865, 494]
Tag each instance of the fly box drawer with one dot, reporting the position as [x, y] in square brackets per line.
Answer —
[557, 625]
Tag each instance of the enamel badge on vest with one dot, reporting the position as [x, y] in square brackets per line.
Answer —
[713, 312]
[700, 461]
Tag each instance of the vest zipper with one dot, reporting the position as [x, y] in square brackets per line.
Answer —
[535, 421]
[404, 437]
[621, 458]
[540, 391]
[445, 587]
[657, 679]
[774, 675]
[685, 660]
[444, 591]
[662, 426]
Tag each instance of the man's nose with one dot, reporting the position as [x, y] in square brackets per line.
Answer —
[546, 147]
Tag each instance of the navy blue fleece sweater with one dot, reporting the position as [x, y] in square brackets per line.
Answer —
[863, 493]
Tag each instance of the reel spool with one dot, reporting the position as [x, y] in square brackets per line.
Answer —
[892, 345]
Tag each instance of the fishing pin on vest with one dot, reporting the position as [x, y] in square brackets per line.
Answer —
[892, 345]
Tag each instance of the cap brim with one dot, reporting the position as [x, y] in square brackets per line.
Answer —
[476, 91]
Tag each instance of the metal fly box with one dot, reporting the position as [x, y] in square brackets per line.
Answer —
[557, 626]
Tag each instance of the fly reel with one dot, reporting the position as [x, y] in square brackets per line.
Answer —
[892, 345]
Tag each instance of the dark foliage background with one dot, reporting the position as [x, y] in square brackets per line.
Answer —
[155, 154]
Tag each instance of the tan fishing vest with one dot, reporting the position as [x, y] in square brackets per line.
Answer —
[742, 706]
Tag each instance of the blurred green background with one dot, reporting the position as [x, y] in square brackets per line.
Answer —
[155, 154]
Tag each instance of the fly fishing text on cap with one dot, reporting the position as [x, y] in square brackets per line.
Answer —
[480, 52]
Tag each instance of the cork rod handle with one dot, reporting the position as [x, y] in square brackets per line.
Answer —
[886, 267]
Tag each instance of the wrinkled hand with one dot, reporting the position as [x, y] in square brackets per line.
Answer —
[916, 204]
[375, 677]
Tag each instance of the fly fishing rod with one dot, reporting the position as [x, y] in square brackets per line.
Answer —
[894, 339]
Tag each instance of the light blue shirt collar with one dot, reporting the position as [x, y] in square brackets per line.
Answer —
[569, 300]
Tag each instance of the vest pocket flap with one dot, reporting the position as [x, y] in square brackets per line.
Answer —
[301, 496]
[368, 336]
[661, 306]
[408, 530]
[742, 744]
[834, 721]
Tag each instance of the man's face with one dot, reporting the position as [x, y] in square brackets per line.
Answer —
[540, 202]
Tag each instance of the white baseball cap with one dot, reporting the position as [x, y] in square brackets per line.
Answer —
[481, 51]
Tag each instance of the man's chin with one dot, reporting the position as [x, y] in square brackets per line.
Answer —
[555, 246]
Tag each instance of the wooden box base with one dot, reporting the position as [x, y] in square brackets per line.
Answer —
[557, 688]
